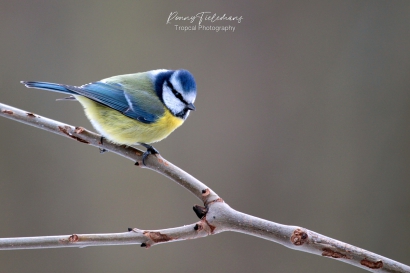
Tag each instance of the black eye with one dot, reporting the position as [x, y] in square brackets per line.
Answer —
[175, 92]
[178, 95]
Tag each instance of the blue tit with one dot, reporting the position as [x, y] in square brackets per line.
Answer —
[138, 108]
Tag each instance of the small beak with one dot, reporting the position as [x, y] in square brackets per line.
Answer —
[190, 106]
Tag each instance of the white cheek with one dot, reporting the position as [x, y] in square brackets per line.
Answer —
[173, 104]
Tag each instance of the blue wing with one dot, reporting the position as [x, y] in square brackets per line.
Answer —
[139, 105]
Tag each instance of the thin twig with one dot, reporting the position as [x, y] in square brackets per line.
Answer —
[215, 216]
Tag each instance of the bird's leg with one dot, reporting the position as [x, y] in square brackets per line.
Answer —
[150, 151]
[102, 150]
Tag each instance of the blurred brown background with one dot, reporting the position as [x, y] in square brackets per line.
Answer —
[302, 118]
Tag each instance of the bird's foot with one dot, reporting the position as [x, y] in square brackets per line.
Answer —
[102, 150]
[150, 151]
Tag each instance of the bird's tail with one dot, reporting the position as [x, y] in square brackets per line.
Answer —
[56, 87]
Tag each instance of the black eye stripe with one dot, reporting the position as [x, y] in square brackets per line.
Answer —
[175, 92]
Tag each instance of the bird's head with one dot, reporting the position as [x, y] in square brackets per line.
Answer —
[177, 90]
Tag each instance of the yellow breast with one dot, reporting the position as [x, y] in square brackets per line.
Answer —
[124, 130]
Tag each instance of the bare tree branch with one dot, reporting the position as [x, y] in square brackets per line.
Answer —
[215, 216]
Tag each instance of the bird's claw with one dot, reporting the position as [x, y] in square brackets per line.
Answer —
[102, 150]
[150, 151]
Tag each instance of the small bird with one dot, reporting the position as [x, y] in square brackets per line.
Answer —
[138, 108]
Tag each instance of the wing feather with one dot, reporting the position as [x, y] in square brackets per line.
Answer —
[137, 104]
